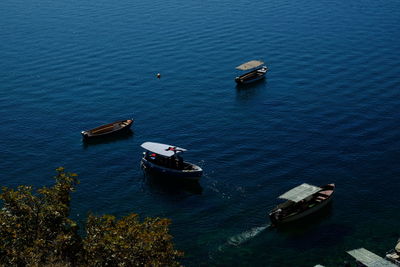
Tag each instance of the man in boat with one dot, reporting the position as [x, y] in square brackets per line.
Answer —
[176, 161]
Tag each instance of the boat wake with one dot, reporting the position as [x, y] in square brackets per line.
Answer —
[243, 237]
[246, 235]
[239, 239]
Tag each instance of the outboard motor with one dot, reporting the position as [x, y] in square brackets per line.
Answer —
[275, 216]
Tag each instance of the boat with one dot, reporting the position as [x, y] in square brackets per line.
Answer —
[367, 258]
[394, 254]
[166, 160]
[256, 70]
[111, 129]
[301, 201]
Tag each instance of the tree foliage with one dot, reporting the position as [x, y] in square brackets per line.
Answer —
[35, 231]
[115, 242]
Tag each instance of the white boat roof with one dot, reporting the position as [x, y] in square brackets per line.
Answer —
[162, 149]
[250, 65]
[369, 259]
[300, 192]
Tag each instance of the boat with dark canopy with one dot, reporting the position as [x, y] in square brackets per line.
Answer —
[111, 129]
[256, 70]
[166, 160]
[301, 201]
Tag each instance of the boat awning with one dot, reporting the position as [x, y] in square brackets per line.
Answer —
[250, 65]
[397, 248]
[162, 149]
[369, 259]
[300, 192]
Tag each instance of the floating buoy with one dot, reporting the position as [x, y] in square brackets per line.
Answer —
[158, 75]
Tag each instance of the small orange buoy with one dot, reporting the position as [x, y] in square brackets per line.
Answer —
[158, 75]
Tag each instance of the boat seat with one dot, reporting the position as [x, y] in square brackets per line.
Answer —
[325, 193]
[393, 256]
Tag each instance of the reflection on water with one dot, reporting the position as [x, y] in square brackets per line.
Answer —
[172, 185]
[248, 91]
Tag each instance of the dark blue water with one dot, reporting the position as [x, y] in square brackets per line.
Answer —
[328, 112]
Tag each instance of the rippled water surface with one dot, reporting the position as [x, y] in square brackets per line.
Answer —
[328, 112]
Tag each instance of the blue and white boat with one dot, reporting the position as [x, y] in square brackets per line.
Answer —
[256, 70]
[166, 160]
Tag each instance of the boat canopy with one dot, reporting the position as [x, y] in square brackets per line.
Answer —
[300, 192]
[162, 149]
[250, 65]
[369, 259]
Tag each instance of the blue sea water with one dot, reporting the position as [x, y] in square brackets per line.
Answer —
[327, 112]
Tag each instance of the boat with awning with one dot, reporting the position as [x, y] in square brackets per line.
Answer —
[255, 70]
[369, 259]
[166, 160]
[301, 201]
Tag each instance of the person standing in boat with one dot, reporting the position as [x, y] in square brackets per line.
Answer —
[175, 159]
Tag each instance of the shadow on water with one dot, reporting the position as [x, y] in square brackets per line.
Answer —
[107, 139]
[312, 232]
[248, 91]
[307, 222]
[170, 185]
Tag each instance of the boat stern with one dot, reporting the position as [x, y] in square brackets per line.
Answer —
[275, 216]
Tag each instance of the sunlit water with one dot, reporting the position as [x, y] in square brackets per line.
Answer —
[328, 112]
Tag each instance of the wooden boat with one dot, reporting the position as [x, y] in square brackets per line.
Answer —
[165, 160]
[394, 254]
[366, 258]
[256, 70]
[111, 129]
[301, 201]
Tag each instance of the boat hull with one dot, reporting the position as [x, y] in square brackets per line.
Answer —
[252, 76]
[247, 81]
[305, 213]
[89, 135]
[158, 170]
